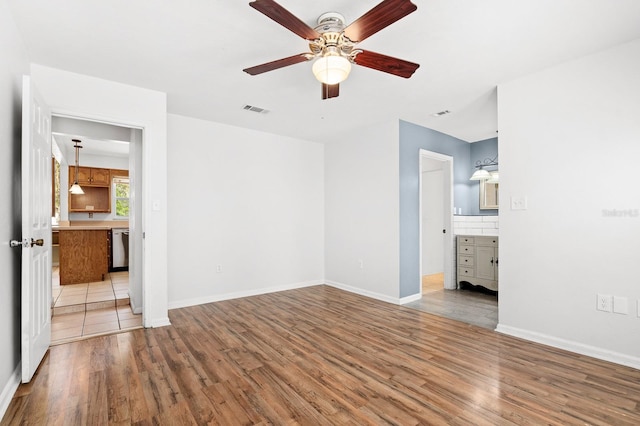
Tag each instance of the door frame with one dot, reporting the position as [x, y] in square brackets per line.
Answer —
[447, 174]
[136, 224]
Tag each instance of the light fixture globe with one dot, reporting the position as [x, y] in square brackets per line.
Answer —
[331, 68]
[480, 174]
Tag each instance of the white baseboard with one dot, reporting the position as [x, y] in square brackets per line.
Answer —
[157, 322]
[236, 295]
[366, 293]
[135, 308]
[409, 299]
[10, 389]
[579, 348]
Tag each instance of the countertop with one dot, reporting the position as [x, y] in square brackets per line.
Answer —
[86, 225]
[81, 228]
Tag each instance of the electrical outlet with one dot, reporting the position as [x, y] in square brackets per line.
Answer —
[361, 263]
[518, 203]
[219, 268]
[604, 302]
[620, 305]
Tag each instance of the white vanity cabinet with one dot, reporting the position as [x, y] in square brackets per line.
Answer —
[477, 260]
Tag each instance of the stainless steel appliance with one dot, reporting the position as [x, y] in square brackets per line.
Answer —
[120, 249]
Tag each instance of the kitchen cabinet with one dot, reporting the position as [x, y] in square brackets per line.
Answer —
[96, 184]
[84, 255]
[55, 248]
[91, 176]
[477, 261]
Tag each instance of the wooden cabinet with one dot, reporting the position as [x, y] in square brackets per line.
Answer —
[477, 261]
[96, 184]
[91, 176]
[84, 255]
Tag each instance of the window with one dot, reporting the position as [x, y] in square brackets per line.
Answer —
[121, 197]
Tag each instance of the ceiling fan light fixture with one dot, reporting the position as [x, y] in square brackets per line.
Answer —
[331, 69]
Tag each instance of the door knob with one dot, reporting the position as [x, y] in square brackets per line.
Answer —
[38, 242]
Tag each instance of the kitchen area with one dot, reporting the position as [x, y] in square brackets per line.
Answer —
[90, 230]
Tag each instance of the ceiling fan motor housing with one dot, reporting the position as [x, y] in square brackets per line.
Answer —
[333, 41]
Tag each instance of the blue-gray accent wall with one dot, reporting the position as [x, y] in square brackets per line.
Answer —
[412, 139]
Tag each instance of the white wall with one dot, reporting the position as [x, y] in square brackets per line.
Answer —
[578, 123]
[13, 64]
[93, 98]
[248, 201]
[362, 211]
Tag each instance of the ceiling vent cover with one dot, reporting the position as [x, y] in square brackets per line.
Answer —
[255, 109]
[441, 113]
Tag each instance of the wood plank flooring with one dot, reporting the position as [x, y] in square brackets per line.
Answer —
[321, 356]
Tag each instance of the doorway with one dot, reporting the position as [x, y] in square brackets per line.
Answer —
[84, 308]
[438, 290]
[436, 219]
[433, 226]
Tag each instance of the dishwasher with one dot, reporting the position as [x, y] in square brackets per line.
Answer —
[120, 249]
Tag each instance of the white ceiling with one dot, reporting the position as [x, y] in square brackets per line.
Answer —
[94, 147]
[195, 51]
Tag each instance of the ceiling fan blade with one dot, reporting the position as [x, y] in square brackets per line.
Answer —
[381, 16]
[330, 90]
[274, 65]
[285, 18]
[386, 64]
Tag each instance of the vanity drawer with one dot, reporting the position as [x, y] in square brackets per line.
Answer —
[465, 272]
[465, 261]
[466, 240]
[487, 241]
[464, 249]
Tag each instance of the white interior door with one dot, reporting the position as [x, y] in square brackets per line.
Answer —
[36, 229]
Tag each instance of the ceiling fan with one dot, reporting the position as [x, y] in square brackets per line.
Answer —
[332, 43]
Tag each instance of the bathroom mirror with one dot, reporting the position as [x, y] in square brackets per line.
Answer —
[488, 195]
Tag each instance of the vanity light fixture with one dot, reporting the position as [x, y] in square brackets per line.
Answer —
[481, 173]
[75, 188]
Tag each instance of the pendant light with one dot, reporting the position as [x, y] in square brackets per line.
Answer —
[75, 188]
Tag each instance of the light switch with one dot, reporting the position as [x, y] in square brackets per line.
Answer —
[620, 305]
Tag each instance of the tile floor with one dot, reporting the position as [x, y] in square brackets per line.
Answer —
[468, 306]
[90, 309]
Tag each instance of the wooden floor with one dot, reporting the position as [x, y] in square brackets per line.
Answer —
[320, 356]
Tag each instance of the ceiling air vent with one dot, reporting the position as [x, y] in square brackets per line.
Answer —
[255, 109]
[441, 113]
